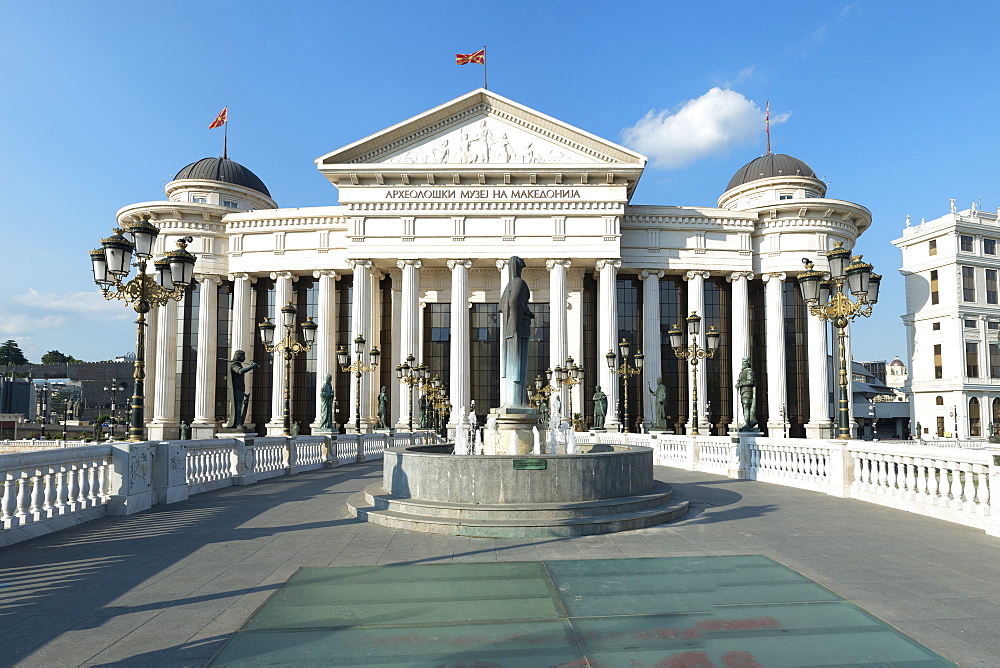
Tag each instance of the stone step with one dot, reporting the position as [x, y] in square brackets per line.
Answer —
[520, 526]
[378, 498]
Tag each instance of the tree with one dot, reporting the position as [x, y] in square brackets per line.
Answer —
[10, 354]
[56, 357]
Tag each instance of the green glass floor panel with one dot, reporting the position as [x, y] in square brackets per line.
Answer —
[672, 611]
[408, 594]
[520, 644]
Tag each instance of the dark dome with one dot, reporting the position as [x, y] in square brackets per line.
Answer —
[766, 166]
[224, 170]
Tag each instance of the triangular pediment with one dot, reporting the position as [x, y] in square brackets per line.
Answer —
[481, 128]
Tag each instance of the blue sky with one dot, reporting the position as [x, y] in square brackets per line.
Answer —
[892, 103]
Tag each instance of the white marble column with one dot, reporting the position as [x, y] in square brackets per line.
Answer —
[326, 334]
[558, 348]
[696, 304]
[775, 326]
[241, 329]
[819, 425]
[652, 368]
[203, 425]
[149, 370]
[409, 340]
[165, 425]
[502, 267]
[458, 389]
[607, 336]
[362, 311]
[740, 336]
[282, 295]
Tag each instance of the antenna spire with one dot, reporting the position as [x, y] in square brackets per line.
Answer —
[767, 125]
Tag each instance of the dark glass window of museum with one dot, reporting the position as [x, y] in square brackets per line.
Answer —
[975, 420]
[630, 329]
[968, 284]
[796, 361]
[387, 368]
[938, 368]
[965, 242]
[303, 388]
[592, 368]
[673, 310]
[187, 352]
[994, 361]
[484, 358]
[259, 413]
[991, 286]
[538, 344]
[932, 247]
[970, 324]
[934, 286]
[758, 348]
[971, 359]
[437, 341]
[343, 410]
[719, 368]
[940, 426]
[989, 246]
[224, 312]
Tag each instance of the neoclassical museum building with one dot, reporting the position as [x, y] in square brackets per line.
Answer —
[413, 259]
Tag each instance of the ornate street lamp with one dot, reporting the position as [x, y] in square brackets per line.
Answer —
[543, 391]
[358, 367]
[112, 264]
[568, 376]
[693, 353]
[625, 370]
[827, 300]
[411, 374]
[289, 347]
[114, 387]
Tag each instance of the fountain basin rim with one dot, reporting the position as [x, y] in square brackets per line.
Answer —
[427, 451]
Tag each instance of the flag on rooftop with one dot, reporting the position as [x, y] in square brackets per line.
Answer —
[466, 58]
[220, 119]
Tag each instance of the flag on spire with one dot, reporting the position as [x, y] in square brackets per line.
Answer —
[466, 58]
[220, 119]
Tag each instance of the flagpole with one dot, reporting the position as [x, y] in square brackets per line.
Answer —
[767, 125]
[484, 68]
[225, 137]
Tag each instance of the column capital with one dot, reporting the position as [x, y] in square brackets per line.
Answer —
[737, 275]
[416, 264]
[354, 264]
[452, 264]
[210, 278]
[239, 276]
[649, 273]
[777, 275]
[691, 275]
[549, 264]
[601, 264]
[275, 275]
[325, 272]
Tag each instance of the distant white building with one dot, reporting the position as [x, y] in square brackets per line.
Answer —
[950, 267]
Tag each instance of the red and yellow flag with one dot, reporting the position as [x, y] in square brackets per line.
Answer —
[466, 58]
[220, 119]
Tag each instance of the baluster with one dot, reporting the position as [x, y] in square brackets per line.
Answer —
[49, 492]
[921, 481]
[93, 492]
[84, 485]
[21, 505]
[936, 491]
[6, 500]
[61, 489]
[36, 495]
[970, 489]
[72, 487]
[956, 484]
[858, 479]
[894, 480]
[983, 489]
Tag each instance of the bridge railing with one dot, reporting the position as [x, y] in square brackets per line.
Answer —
[47, 490]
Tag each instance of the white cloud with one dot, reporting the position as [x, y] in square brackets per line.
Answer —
[716, 122]
[814, 39]
[77, 302]
[20, 325]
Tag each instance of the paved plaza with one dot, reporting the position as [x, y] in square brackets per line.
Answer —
[169, 587]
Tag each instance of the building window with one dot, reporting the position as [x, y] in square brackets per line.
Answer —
[231, 204]
[199, 199]
[971, 359]
[932, 247]
[935, 326]
[993, 325]
[939, 400]
[934, 286]
[989, 246]
[994, 353]
[969, 323]
[484, 358]
[938, 369]
[968, 284]
[784, 196]
[940, 426]
[965, 242]
[975, 422]
[991, 286]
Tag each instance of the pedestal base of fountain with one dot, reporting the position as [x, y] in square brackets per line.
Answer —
[517, 421]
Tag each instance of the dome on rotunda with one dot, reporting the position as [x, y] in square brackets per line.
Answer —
[768, 166]
[225, 171]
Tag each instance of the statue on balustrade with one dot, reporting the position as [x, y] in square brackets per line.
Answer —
[296, 428]
[746, 385]
[184, 430]
[383, 410]
[326, 405]
[517, 319]
[422, 412]
[600, 408]
[660, 405]
[239, 401]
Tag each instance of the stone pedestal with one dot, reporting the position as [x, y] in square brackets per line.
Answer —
[517, 421]
[243, 457]
[202, 431]
[236, 432]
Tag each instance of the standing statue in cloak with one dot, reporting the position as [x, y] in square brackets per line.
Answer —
[238, 399]
[326, 395]
[517, 319]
